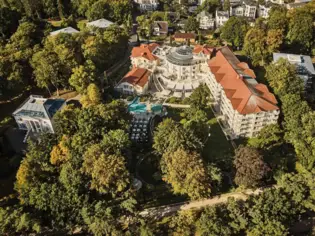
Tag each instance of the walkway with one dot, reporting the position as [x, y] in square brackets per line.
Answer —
[159, 212]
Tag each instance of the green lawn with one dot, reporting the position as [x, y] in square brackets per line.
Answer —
[217, 148]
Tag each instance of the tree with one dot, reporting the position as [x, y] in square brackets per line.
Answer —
[234, 30]
[272, 212]
[283, 79]
[92, 96]
[255, 46]
[9, 21]
[183, 224]
[250, 167]
[170, 136]
[226, 5]
[269, 137]
[82, 76]
[301, 30]
[214, 221]
[210, 6]
[186, 173]
[48, 70]
[108, 172]
[277, 19]
[191, 24]
[100, 219]
[200, 97]
[15, 220]
[274, 40]
[299, 187]
[65, 121]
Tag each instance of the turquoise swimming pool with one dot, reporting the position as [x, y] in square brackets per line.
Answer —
[135, 107]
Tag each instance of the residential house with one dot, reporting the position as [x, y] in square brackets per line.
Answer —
[304, 66]
[67, 30]
[160, 28]
[143, 56]
[250, 9]
[206, 21]
[243, 105]
[101, 23]
[263, 10]
[185, 37]
[36, 114]
[237, 10]
[204, 50]
[147, 5]
[221, 17]
[135, 81]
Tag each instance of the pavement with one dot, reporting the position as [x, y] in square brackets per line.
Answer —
[162, 211]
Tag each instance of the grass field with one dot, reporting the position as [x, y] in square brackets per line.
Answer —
[217, 149]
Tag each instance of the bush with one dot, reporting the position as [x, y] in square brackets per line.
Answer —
[130, 98]
[173, 100]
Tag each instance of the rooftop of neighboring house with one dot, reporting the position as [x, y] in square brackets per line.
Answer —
[205, 49]
[203, 14]
[147, 1]
[250, 3]
[222, 13]
[145, 51]
[67, 30]
[162, 25]
[238, 81]
[179, 35]
[39, 107]
[137, 76]
[101, 23]
[300, 60]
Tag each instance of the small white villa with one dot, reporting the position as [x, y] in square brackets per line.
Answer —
[101, 23]
[67, 30]
[36, 114]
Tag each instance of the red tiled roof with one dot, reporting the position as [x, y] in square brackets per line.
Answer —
[137, 76]
[205, 49]
[246, 97]
[145, 50]
[185, 35]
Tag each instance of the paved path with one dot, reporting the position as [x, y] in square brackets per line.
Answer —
[162, 211]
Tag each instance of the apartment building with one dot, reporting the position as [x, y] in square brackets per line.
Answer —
[221, 17]
[206, 21]
[147, 5]
[244, 105]
[36, 114]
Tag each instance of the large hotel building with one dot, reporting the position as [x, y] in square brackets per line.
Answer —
[243, 105]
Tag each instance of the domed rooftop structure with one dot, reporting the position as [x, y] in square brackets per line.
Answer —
[181, 56]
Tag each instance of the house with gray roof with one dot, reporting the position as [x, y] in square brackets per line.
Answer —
[67, 30]
[304, 66]
[36, 114]
[101, 23]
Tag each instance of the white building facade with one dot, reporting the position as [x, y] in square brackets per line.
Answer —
[36, 114]
[206, 21]
[242, 104]
[221, 17]
[147, 5]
